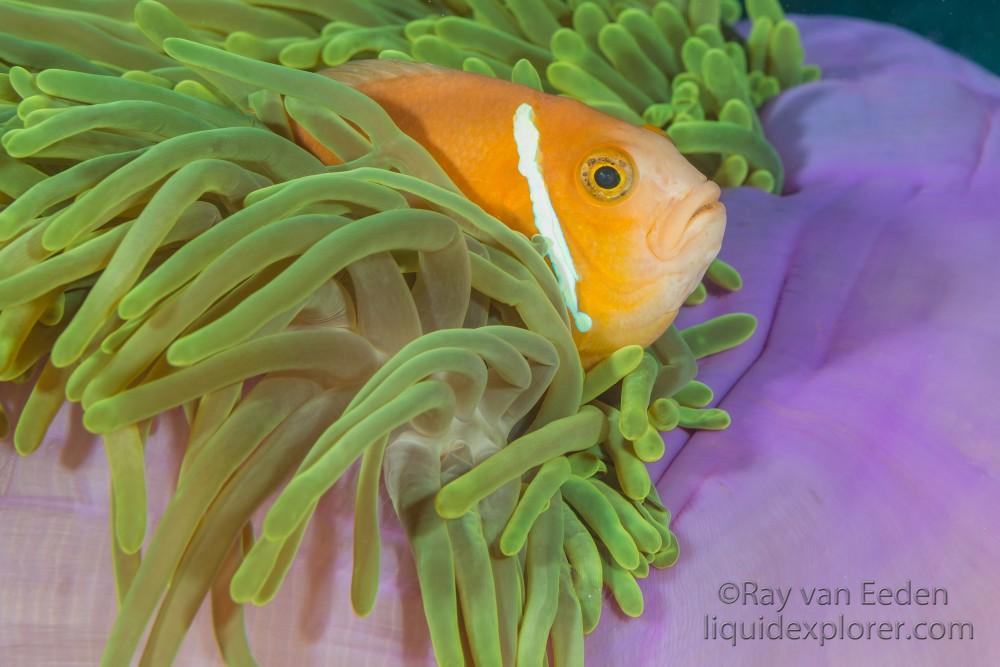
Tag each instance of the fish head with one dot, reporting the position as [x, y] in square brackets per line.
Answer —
[642, 223]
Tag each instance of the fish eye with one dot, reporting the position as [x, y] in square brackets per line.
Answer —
[607, 177]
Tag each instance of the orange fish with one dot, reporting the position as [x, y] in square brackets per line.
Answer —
[631, 226]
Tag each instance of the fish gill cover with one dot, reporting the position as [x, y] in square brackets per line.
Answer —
[165, 243]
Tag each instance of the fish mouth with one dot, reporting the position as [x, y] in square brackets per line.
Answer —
[703, 219]
[698, 212]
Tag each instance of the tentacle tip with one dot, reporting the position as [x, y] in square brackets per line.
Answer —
[239, 594]
[509, 546]
[129, 540]
[62, 355]
[245, 585]
[181, 354]
[22, 447]
[282, 519]
[263, 598]
[445, 506]
[96, 419]
[363, 603]
[633, 611]
[129, 308]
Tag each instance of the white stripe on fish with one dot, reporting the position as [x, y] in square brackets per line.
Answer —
[527, 137]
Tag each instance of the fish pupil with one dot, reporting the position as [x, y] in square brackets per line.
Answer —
[607, 177]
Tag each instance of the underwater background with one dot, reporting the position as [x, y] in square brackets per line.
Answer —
[970, 27]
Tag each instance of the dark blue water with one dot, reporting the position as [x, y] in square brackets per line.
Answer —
[971, 27]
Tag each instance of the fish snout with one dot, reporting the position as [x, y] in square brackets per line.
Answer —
[699, 211]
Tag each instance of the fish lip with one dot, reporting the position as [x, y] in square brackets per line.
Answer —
[699, 209]
[699, 220]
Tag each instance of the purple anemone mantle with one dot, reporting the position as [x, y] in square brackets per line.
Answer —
[864, 445]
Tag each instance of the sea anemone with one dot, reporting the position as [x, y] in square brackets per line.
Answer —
[861, 449]
[165, 244]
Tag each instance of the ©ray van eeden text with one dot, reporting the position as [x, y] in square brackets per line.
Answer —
[869, 593]
[866, 595]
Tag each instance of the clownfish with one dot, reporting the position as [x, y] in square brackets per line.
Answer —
[630, 226]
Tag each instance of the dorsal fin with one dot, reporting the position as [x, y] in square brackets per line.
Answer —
[360, 72]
